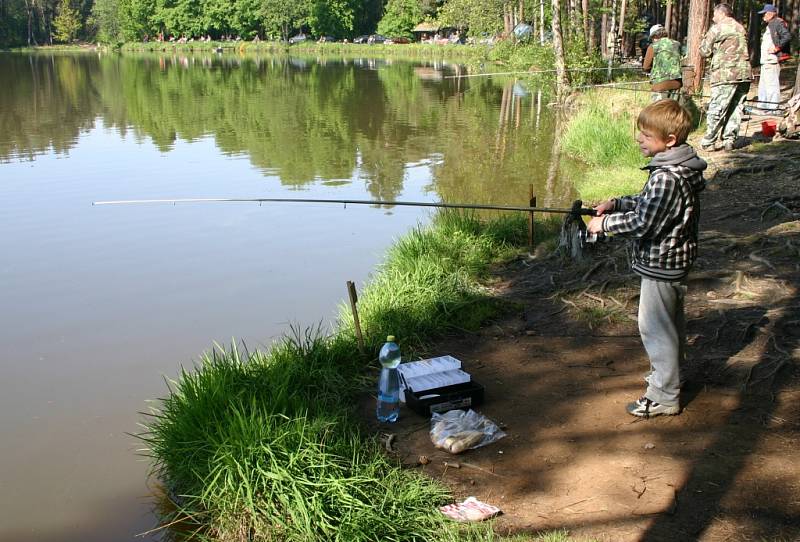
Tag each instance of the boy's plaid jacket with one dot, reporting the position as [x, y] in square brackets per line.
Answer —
[662, 220]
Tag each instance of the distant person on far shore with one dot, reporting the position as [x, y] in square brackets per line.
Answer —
[662, 61]
[729, 74]
[774, 48]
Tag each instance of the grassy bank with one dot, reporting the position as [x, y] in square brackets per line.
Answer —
[465, 53]
[601, 134]
[267, 445]
[502, 56]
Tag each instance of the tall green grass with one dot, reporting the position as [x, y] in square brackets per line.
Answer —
[602, 135]
[267, 445]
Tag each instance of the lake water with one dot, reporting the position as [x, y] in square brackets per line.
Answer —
[99, 304]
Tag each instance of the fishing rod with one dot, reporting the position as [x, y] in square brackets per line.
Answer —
[534, 72]
[574, 211]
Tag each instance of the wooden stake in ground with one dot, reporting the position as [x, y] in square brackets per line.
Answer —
[531, 232]
[351, 292]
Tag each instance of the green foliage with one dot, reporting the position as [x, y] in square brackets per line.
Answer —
[280, 17]
[136, 19]
[106, 17]
[67, 23]
[180, 17]
[480, 17]
[400, 17]
[333, 18]
[245, 18]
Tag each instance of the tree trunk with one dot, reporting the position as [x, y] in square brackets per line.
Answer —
[622, 22]
[668, 21]
[698, 24]
[28, 9]
[796, 89]
[562, 78]
[541, 26]
[679, 10]
[604, 30]
[754, 38]
[612, 33]
[585, 14]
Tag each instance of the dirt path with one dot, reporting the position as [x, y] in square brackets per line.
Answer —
[560, 368]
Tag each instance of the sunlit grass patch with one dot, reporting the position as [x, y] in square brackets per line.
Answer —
[598, 185]
[603, 131]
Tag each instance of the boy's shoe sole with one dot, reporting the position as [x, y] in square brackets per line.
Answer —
[645, 408]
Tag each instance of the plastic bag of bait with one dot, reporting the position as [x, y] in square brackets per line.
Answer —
[456, 431]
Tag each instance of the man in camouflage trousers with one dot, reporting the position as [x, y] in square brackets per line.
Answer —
[663, 61]
[730, 76]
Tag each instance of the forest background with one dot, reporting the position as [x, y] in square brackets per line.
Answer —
[588, 24]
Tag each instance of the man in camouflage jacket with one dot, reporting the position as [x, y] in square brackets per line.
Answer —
[730, 76]
[663, 61]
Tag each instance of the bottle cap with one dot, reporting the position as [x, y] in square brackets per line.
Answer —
[390, 339]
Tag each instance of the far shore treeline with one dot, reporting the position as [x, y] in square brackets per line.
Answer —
[597, 27]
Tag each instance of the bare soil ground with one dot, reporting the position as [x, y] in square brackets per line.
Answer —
[560, 368]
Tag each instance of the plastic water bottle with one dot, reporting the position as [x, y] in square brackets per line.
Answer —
[389, 384]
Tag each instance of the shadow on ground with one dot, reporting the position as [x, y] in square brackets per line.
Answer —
[559, 371]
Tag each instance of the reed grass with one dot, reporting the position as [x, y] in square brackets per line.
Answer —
[267, 445]
[602, 135]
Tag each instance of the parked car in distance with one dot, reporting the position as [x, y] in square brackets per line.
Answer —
[401, 40]
[326, 39]
[299, 38]
[361, 39]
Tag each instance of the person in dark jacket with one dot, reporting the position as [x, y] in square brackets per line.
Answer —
[774, 45]
[662, 224]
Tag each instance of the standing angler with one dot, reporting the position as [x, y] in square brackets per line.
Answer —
[662, 223]
[730, 75]
[774, 46]
[663, 61]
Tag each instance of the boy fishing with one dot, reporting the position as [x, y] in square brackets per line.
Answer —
[662, 223]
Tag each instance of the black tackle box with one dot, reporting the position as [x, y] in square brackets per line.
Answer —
[463, 396]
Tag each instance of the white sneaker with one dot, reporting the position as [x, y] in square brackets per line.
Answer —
[645, 408]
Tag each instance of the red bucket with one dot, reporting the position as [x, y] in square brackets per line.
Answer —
[768, 128]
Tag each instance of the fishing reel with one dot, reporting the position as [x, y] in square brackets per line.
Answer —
[574, 235]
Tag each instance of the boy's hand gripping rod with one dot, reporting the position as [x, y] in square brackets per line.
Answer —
[575, 210]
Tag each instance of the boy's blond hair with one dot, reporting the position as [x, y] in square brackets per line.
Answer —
[666, 117]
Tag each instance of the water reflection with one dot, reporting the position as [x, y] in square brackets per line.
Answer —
[99, 302]
[300, 119]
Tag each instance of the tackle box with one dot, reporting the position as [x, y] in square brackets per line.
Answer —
[437, 385]
[464, 395]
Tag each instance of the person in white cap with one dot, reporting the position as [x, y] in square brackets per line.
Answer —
[663, 62]
[774, 44]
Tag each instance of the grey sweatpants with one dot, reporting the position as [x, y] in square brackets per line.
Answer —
[662, 326]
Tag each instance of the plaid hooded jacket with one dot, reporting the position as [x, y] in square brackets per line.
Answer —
[662, 220]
